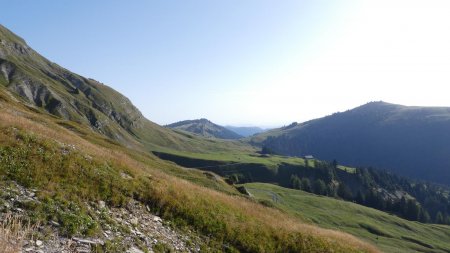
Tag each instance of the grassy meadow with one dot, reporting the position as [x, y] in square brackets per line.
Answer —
[70, 168]
[388, 232]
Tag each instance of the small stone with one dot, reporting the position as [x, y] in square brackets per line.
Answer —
[134, 250]
[157, 219]
[54, 223]
[39, 243]
[86, 241]
[134, 221]
[101, 204]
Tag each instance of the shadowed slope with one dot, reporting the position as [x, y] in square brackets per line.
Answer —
[411, 141]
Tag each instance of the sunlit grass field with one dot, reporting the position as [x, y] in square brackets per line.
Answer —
[388, 232]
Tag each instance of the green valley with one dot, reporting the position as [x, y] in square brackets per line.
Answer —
[83, 170]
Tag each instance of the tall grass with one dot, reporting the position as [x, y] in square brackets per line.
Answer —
[33, 153]
[12, 233]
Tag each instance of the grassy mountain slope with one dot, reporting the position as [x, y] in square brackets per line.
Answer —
[43, 84]
[389, 233]
[411, 141]
[379, 189]
[68, 139]
[206, 128]
[70, 168]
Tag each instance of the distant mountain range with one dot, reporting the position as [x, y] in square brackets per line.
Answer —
[205, 128]
[246, 131]
[412, 141]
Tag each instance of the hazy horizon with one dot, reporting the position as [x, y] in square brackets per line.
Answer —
[247, 63]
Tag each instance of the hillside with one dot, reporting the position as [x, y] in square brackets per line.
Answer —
[246, 131]
[77, 184]
[84, 178]
[205, 128]
[43, 84]
[382, 190]
[411, 141]
[389, 233]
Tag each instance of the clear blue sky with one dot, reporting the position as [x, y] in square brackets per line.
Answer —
[246, 62]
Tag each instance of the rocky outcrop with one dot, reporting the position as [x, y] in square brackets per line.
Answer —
[134, 227]
[60, 92]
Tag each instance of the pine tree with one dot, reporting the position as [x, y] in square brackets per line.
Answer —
[320, 187]
[344, 192]
[360, 198]
[439, 218]
[412, 210]
[296, 182]
[306, 185]
[424, 216]
[447, 220]
[331, 190]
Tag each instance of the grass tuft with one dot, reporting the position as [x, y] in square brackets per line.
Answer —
[12, 233]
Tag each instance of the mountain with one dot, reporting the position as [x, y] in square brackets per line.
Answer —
[246, 131]
[42, 84]
[74, 158]
[204, 127]
[409, 140]
[74, 161]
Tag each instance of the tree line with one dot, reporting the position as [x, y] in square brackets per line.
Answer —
[379, 189]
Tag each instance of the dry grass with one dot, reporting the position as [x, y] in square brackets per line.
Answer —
[12, 233]
[242, 215]
[247, 225]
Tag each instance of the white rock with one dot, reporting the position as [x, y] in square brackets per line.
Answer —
[54, 223]
[134, 250]
[87, 241]
[134, 221]
[39, 243]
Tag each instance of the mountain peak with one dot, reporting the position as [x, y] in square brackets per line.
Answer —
[205, 128]
[379, 104]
